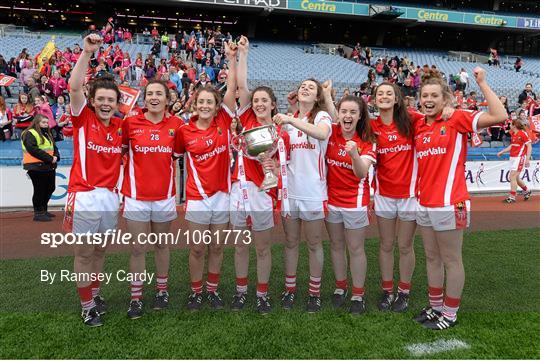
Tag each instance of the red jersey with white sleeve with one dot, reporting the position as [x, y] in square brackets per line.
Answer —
[253, 168]
[518, 142]
[207, 155]
[441, 150]
[149, 174]
[396, 170]
[97, 152]
[344, 188]
[306, 168]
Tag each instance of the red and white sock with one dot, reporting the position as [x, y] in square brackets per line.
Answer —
[290, 283]
[161, 283]
[342, 285]
[315, 286]
[436, 298]
[404, 287]
[95, 288]
[388, 286]
[513, 195]
[241, 284]
[85, 296]
[450, 308]
[525, 189]
[262, 289]
[357, 293]
[212, 282]
[136, 290]
[196, 287]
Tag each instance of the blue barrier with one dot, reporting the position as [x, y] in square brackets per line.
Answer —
[11, 152]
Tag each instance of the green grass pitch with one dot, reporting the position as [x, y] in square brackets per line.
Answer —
[499, 317]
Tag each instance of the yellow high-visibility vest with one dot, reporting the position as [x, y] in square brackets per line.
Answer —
[46, 145]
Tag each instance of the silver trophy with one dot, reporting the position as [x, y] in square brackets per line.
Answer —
[258, 144]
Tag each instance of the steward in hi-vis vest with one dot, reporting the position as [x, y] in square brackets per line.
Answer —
[40, 159]
[38, 151]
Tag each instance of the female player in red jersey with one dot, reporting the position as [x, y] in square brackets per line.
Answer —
[520, 154]
[309, 130]
[443, 209]
[394, 183]
[249, 207]
[92, 201]
[149, 188]
[350, 154]
[205, 141]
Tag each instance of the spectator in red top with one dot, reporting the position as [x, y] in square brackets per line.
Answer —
[23, 114]
[127, 36]
[65, 124]
[67, 54]
[191, 73]
[42, 107]
[472, 103]
[58, 84]
[222, 76]
[76, 53]
[154, 33]
[170, 84]
[46, 67]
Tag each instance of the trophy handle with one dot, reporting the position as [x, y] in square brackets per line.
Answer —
[236, 142]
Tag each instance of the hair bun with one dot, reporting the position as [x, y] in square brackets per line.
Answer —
[431, 74]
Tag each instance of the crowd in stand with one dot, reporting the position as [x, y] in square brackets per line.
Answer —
[186, 61]
[407, 76]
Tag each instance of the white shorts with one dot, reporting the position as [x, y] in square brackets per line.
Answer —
[352, 218]
[261, 204]
[307, 210]
[212, 210]
[457, 216]
[516, 163]
[145, 211]
[392, 208]
[94, 211]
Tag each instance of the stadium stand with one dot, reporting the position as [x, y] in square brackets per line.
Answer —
[283, 65]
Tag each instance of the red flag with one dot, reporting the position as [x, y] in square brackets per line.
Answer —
[535, 123]
[143, 82]
[106, 51]
[476, 141]
[110, 25]
[6, 80]
[128, 99]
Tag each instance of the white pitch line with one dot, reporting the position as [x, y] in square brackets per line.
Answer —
[420, 349]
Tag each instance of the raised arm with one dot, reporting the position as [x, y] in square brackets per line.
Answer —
[91, 44]
[229, 99]
[320, 131]
[496, 112]
[241, 75]
[328, 101]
